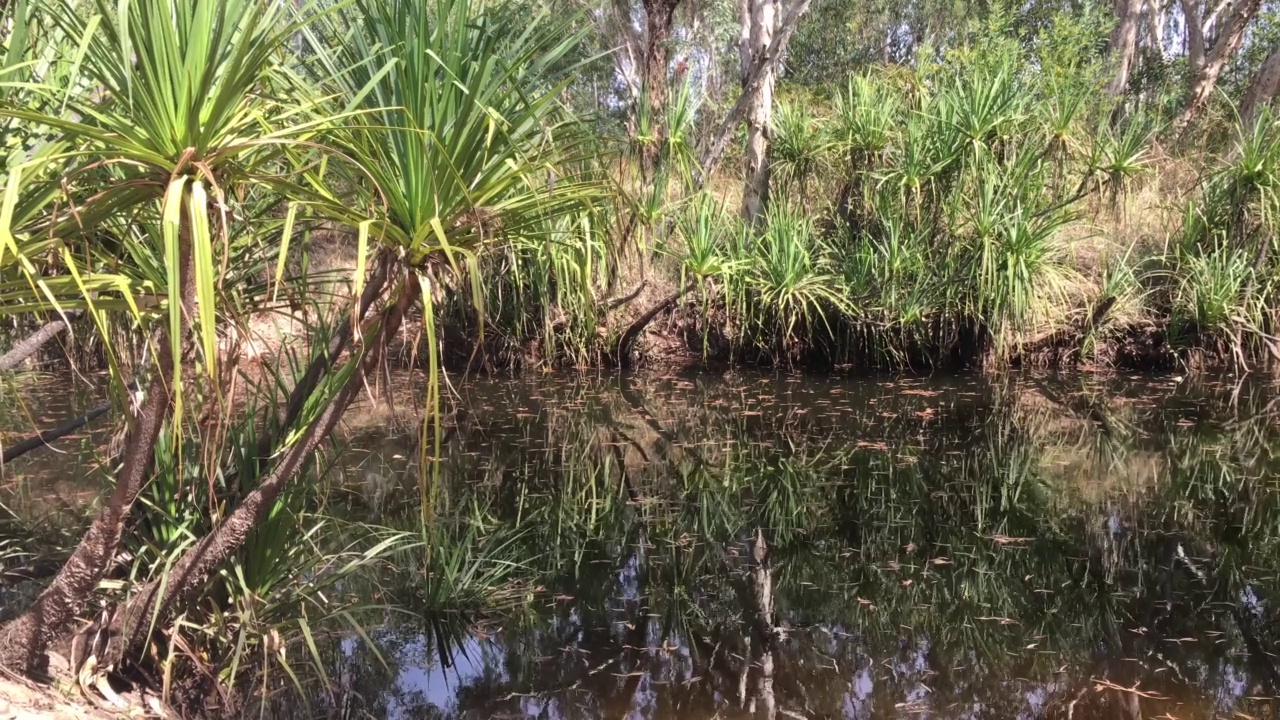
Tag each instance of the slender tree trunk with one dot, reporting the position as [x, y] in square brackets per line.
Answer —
[659, 17]
[28, 347]
[1262, 90]
[759, 618]
[321, 364]
[1230, 36]
[1124, 44]
[763, 66]
[755, 194]
[1193, 17]
[156, 601]
[1155, 25]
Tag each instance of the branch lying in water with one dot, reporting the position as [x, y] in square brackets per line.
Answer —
[14, 452]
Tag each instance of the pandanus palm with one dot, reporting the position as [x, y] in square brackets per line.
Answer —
[446, 138]
[457, 126]
[170, 130]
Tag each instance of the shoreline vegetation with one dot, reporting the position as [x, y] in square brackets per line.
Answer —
[322, 189]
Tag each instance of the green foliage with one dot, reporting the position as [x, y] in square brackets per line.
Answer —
[787, 285]
[798, 149]
[955, 189]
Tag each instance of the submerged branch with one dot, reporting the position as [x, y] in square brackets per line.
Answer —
[17, 450]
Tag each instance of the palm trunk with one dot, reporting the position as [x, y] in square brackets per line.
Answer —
[755, 195]
[28, 347]
[320, 365]
[24, 641]
[154, 603]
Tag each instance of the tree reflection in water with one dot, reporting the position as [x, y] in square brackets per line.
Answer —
[769, 547]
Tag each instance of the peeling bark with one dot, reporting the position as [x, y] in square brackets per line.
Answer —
[755, 194]
[1156, 25]
[1194, 23]
[764, 65]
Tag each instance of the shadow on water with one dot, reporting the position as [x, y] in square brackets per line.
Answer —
[772, 547]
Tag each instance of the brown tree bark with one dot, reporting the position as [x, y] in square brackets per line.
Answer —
[28, 347]
[763, 19]
[1124, 44]
[1262, 90]
[154, 603]
[659, 18]
[25, 640]
[1207, 63]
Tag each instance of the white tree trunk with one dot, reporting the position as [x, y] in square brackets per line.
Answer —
[765, 65]
[1193, 17]
[1156, 25]
[1124, 44]
[1230, 33]
[1262, 90]
[763, 18]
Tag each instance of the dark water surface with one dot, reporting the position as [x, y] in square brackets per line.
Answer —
[962, 548]
[769, 546]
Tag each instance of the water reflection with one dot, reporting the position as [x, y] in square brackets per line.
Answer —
[779, 548]
[767, 547]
